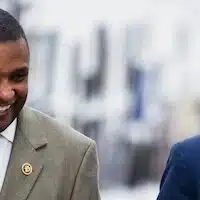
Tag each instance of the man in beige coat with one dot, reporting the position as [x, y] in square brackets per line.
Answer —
[40, 158]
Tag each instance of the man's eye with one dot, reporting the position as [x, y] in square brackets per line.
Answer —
[18, 77]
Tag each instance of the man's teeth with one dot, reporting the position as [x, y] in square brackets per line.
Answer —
[4, 108]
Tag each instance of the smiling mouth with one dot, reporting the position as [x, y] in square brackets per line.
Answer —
[4, 109]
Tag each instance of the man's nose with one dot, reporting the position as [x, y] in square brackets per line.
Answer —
[7, 93]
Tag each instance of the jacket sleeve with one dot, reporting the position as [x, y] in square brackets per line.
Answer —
[87, 180]
[177, 182]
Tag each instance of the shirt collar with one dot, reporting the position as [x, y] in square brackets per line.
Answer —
[9, 132]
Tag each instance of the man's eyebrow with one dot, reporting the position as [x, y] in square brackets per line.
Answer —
[21, 69]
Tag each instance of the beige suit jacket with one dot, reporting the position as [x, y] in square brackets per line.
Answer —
[64, 162]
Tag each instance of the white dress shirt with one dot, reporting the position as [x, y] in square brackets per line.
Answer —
[6, 142]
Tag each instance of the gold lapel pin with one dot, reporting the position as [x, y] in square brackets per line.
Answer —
[27, 169]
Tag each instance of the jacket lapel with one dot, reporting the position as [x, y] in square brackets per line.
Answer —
[26, 149]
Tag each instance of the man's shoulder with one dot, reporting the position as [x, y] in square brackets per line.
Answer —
[190, 143]
[57, 134]
[189, 148]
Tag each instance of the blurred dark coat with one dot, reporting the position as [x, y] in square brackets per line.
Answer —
[181, 178]
[64, 162]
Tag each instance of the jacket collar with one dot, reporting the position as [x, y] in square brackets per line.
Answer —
[28, 146]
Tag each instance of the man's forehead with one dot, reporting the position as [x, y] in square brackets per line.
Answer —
[14, 49]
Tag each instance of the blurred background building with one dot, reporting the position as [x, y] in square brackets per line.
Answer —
[124, 73]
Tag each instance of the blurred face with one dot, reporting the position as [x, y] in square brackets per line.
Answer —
[14, 63]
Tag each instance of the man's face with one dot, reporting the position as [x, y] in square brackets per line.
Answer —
[14, 63]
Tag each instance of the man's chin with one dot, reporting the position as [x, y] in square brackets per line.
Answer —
[5, 120]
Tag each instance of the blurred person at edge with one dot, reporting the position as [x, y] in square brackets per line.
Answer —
[40, 158]
[181, 177]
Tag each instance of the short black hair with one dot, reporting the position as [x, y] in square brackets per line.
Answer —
[10, 28]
